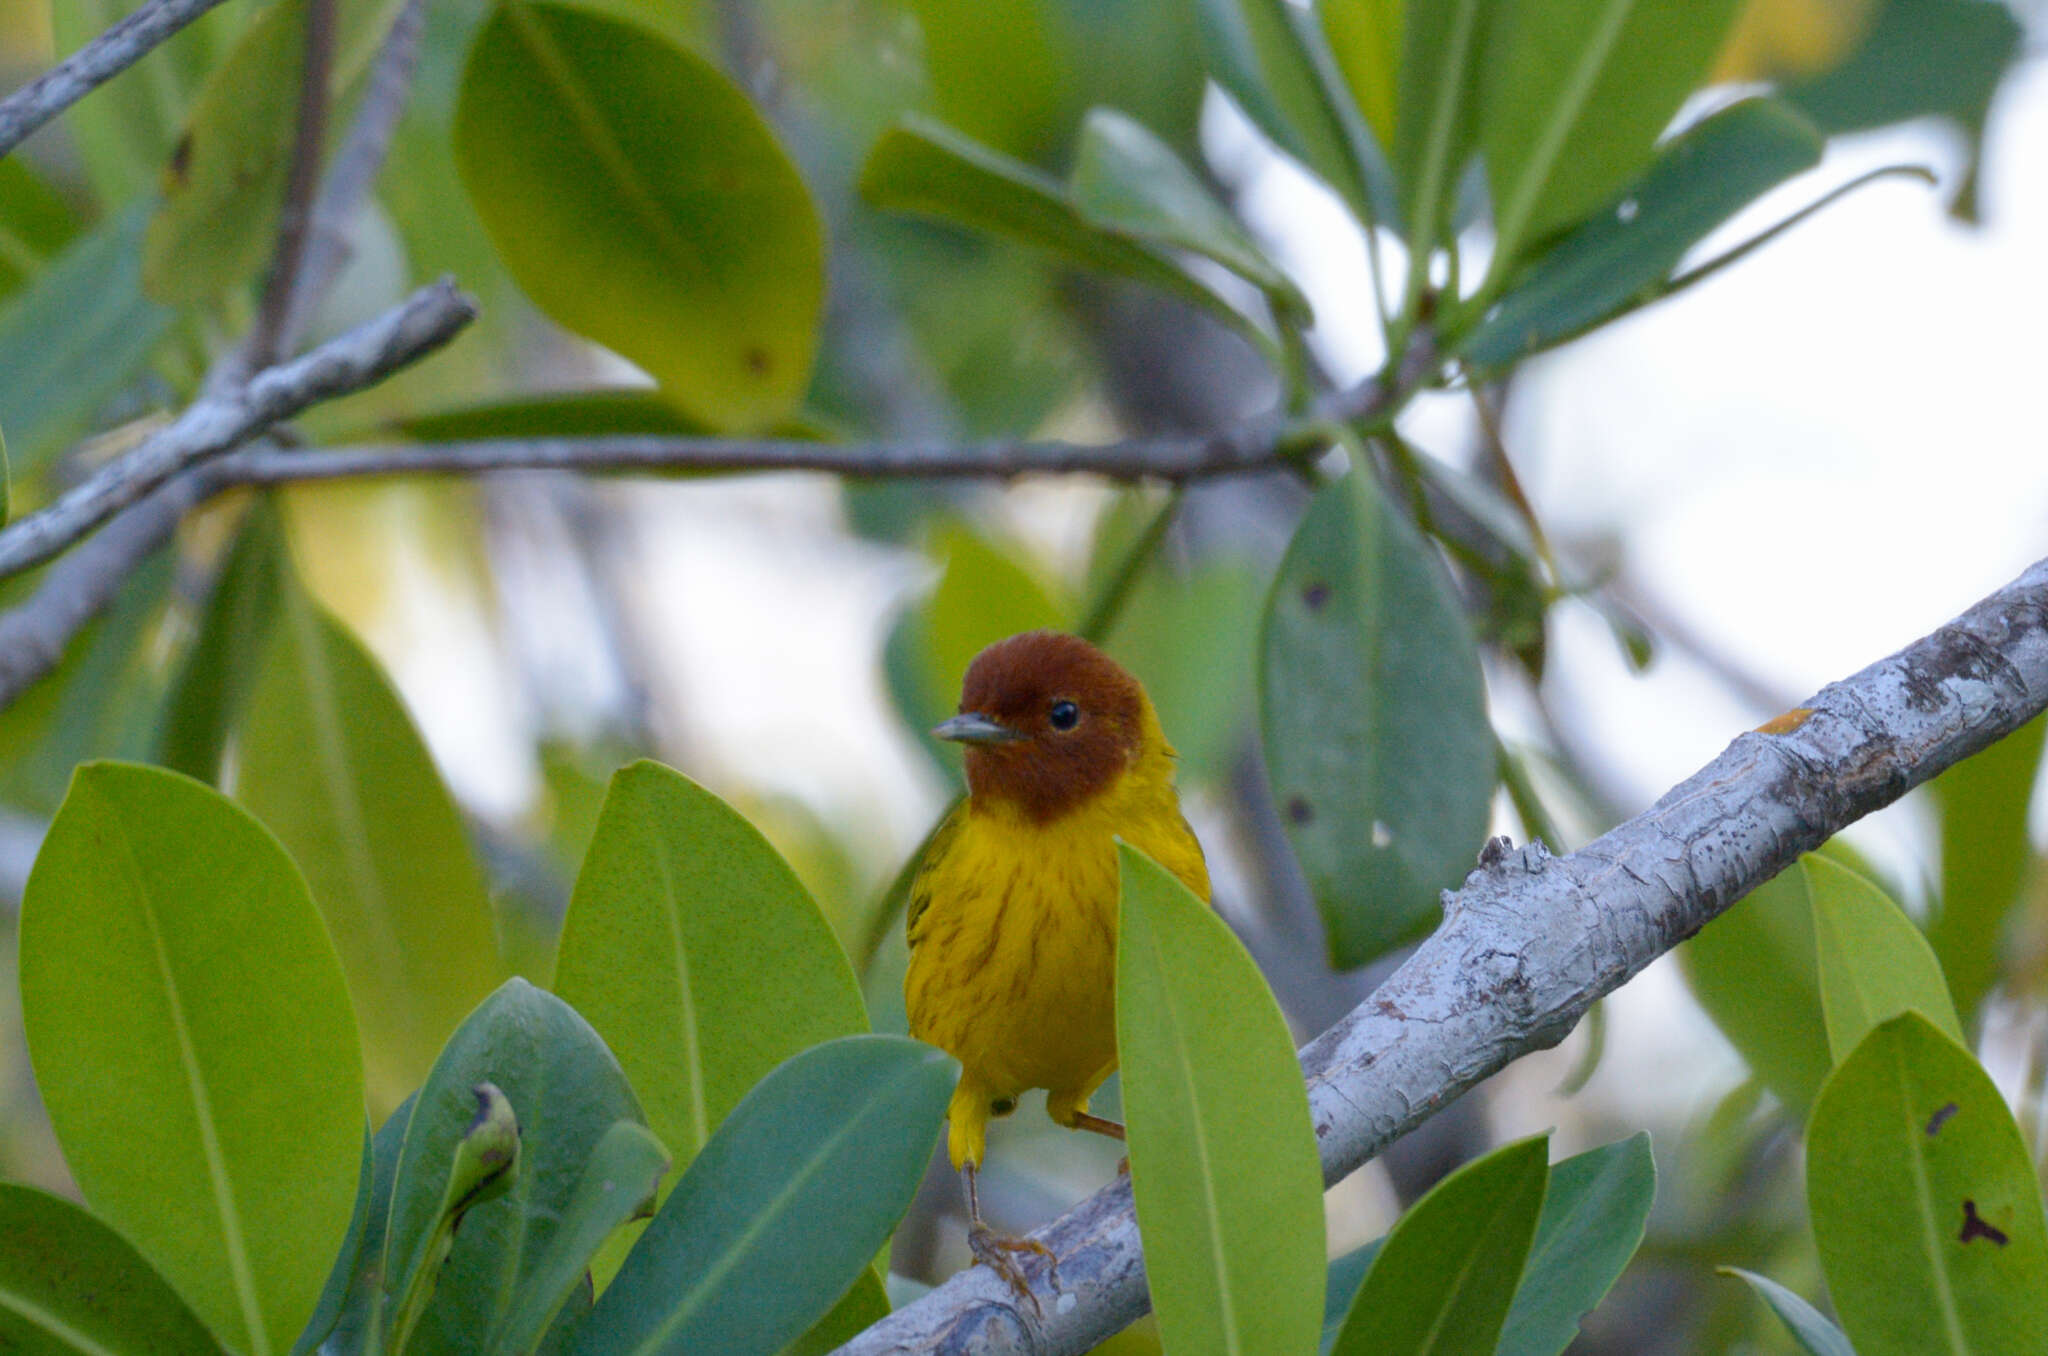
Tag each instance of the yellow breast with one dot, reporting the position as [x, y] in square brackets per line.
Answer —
[1013, 939]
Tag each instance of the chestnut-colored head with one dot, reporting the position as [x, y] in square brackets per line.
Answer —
[1049, 722]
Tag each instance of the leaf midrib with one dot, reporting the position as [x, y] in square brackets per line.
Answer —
[202, 1105]
[50, 1323]
[582, 110]
[679, 954]
[1549, 144]
[1923, 1191]
[738, 1250]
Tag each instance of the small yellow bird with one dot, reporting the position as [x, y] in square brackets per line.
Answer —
[1013, 911]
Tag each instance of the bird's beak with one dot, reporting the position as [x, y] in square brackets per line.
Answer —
[971, 728]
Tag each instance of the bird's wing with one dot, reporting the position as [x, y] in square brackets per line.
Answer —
[921, 884]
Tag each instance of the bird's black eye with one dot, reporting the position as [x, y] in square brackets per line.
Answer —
[1064, 715]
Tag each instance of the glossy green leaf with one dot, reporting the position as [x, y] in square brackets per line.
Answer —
[73, 337]
[617, 1185]
[1444, 1279]
[70, 1286]
[1623, 255]
[1985, 857]
[1753, 970]
[329, 759]
[334, 1292]
[567, 1093]
[193, 1043]
[224, 184]
[1365, 38]
[1224, 1168]
[1809, 1327]
[1920, 58]
[924, 168]
[125, 129]
[482, 1167]
[1436, 119]
[643, 202]
[1573, 96]
[1593, 1219]
[1266, 55]
[1377, 743]
[1924, 1201]
[35, 224]
[1127, 180]
[1873, 963]
[225, 657]
[1592, 1222]
[358, 1327]
[696, 953]
[784, 1207]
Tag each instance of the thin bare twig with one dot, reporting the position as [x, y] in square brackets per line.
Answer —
[92, 65]
[223, 419]
[1533, 940]
[355, 167]
[266, 341]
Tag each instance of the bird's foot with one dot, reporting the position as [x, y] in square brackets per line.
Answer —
[998, 1253]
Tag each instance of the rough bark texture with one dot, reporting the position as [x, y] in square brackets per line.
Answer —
[92, 65]
[1531, 940]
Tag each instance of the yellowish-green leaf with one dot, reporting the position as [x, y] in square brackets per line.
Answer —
[1365, 37]
[1926, 1210]
[193, 1042]
[329, 759]
[1224, 1169]
[1873, 962]
[642, 201]
[1986, 855]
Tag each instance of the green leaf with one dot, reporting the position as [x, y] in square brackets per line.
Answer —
[1377, 743]
[1574, 94]
[1985, 857]
[567, 1092]
[921, 167]
[617, 1185]
[999, 72]
[642, 201]
[1265, 54]
[1753, 970]
[482, 1168]
[1444, 1279]
[330, 761]
[1365, 38]
[1919, 58]
[334, 1293]
[71, 1285]
[784, 1207]
[73, 337]
[1623, 256]
[193, 1042]
[1925, 1206]
[360, 1318]
[225, 182]
[696, 953]
[35, 224]
[1346, 1274]
[1808, 1326]
[1127, 180]
[1224, 1169]
[576, 414]
[1873, 962]
[1436, 118]
[223, 662]
[1592, 1222]
[125, 130]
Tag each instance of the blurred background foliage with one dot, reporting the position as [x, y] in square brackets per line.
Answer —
[540, 631]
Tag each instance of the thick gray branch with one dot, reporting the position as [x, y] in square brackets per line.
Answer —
[1529, 943]
[222, 418]
[92, 65]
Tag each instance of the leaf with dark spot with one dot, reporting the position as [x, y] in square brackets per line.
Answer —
[1939, 1119]
[1975, 1227]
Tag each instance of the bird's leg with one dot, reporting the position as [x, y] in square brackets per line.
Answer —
[1100, 1125]
[994, 1250]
